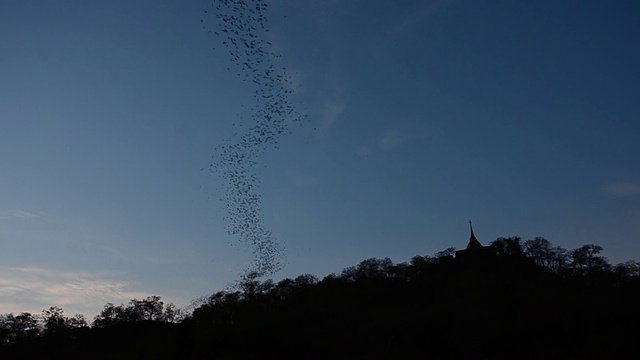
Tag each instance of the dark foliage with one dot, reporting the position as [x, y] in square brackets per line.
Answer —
[529, 300]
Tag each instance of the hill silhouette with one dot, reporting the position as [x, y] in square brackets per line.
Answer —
[528, 300]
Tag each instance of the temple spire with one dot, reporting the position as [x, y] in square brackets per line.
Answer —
[471, 227]
[473, 242]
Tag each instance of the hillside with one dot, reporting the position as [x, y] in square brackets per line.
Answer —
[504, 304]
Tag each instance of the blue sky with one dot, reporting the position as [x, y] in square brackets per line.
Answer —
[522, 116]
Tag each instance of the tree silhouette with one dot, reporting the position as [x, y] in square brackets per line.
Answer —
[510, 246]
[540, 250]
[54, 320]
[450, 251]
[585, 260]
[151, 308]
[573, 303]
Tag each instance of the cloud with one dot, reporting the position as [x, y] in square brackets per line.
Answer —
[418, 16]
[364, 151]
[296, 80]
[623, 189]
[20, 214]
[331, 111]
[301, 180]
[34, 289]
[390, 139]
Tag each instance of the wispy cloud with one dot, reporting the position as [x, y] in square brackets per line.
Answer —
[331, 112]
[423, 11]
[20, 214]
[301, 180]
[390, 139]
[34, 289]
[364, 151]
[296, 80]
[623, 189]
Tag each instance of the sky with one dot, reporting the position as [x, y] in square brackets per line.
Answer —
[521, 116]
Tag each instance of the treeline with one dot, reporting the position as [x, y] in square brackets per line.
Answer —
[528, 299]
[582, 261]
[25, 328]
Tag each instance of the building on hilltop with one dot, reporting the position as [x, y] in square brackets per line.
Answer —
[474, 248]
